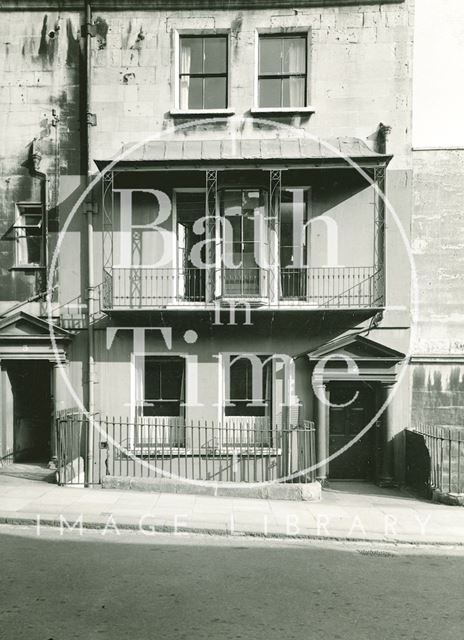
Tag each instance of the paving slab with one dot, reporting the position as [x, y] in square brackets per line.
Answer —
[350, 512]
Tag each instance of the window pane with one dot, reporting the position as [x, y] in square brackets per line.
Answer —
[234, 252]
[248, 228]
[232, 203]
[145, 210]
[294, 55]
[293, 92]
[152, 380]
[252, 200]
[241, 387]
[234, 228]
[216, 55]
[31, 220]
[270, 55]
[160, 409]
[286, 258]
[184, 87]
[164, 379]
[269, 92]
[190, 206]
[191, 55]
[215, 93]
[243, 409]
[171, 380]
[251, 274]
[195, 93]
[240, 380]
[34, 249]
[286, 233]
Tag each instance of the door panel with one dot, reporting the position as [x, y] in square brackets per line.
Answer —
[357, 462]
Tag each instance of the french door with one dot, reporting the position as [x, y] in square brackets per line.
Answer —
[190, 206]
[244, 243]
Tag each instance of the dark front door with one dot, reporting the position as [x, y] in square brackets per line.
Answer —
[346, 422]
[32, 416]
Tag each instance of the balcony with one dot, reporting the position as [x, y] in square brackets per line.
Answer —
[331, 287]
[132, 288]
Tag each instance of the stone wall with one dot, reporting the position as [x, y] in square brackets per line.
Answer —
[39, 99]
[438, 248]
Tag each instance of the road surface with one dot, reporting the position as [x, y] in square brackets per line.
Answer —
[131, 586]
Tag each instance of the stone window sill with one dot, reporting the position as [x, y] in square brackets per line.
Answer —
[282, 111]
[26, 267]
[200, 113]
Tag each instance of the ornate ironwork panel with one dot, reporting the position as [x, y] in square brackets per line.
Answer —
[275, 184]
[211, 215]
[107, 240]
[379, 235]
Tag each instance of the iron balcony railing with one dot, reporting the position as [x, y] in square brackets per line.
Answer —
[141, 287]
[357, 287]
[235, 450]
[317, 287]
[251, 282]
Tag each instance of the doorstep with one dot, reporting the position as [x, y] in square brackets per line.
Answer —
[308, 492]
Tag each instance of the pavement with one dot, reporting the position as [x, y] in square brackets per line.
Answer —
[348, 511]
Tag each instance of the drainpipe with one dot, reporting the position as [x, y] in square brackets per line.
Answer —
[86, 77]
[35, 160]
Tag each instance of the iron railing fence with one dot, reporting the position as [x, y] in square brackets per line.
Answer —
[7, 457]
[435, 457]
[232, 451]
[319, 287]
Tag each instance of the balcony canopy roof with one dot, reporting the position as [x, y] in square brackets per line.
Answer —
[252, 152]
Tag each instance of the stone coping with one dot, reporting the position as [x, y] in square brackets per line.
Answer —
[309, 492]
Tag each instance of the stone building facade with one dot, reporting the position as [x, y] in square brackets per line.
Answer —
[134, 131]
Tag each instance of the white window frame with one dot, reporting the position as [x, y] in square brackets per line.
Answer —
[264, 273]
[166, 357]
[308, 108]
[177, 35]
[24, 209]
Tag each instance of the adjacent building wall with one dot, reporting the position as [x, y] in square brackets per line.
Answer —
[39, 100]
[438, 245]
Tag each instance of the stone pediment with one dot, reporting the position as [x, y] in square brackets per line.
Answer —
[357, 348]
[25, 326]
[373, 361]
